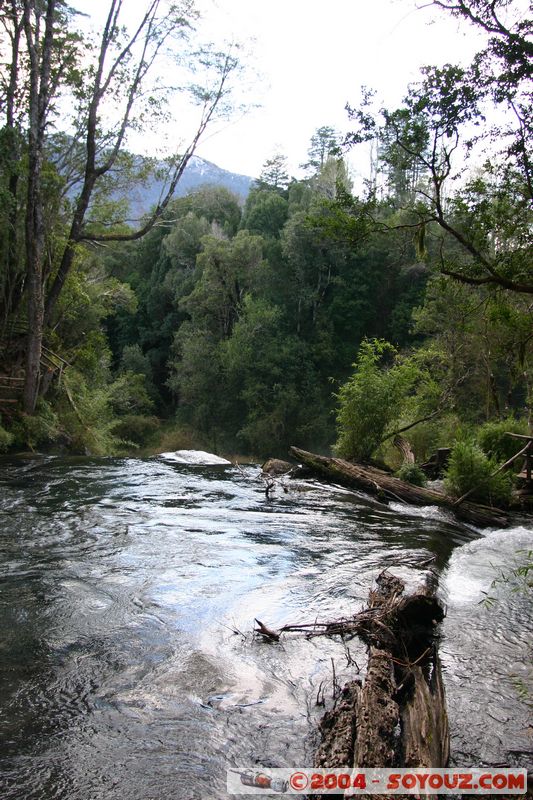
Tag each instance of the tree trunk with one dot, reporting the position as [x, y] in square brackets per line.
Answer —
[40, 57]
[386, 487]
[35, 333]
[398, 716]
[401, 444]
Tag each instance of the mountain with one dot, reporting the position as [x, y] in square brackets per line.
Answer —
[198, 172]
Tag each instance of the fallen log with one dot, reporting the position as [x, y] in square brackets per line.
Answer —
[398, 716]
[386, 487]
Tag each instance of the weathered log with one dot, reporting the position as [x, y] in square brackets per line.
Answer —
[338, 729]
[406, 451]
[424, 722]
[386, 487]
[398, 716]
[377, 714]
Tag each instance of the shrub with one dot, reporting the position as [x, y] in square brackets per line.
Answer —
[38, 429]
[136, 429]
[87, 416]
[494, 442]
[180, 437]
[6, 439]
[371, 400]
[469, 468]
[411, 473]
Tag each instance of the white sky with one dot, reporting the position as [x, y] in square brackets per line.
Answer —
[312, 57]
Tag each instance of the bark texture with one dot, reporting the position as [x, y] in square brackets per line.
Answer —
[397, 718]
[386, 487]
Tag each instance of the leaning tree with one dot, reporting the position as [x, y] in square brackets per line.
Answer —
[68, 101]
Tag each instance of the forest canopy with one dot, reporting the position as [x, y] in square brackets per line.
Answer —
[309, 314]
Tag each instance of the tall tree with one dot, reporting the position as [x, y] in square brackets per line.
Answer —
[274, 174]
[483, 112]
[114, 91]
[325, 142]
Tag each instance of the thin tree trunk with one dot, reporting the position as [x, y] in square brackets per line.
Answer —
[13, 281]
[40, 63]
[35, 333]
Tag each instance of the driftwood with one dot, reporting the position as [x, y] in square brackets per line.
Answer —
[397, 717]
[386, 487]
[406, 451]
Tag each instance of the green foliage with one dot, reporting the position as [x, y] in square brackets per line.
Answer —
[216, 205]
[484, 343]
[41, 429]
[371, 400]
[134, 360]
[6, 439]
[87, 416]
[271, 373]
[137, 429]
[272, 318]
[411, 473]
[225, 271]
[128, 394]
[196, 379]
[272, 304]
[265, 212]
[494, 442]
[469, 468]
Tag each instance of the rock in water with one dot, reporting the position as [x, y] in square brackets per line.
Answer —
[193, 457]
[275, 466]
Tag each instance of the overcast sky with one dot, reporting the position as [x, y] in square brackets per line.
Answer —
[312, 57]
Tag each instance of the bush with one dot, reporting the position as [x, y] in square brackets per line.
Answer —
[39, 429]
[492, 439]
[138, 430]
[371, 400]
[469, 468]
[180, 437]
[87, 416]
[6, 439]
[411, 473]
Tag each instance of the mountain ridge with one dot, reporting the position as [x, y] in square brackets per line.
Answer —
[198, 172]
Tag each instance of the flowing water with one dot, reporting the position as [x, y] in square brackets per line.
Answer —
[128, 594]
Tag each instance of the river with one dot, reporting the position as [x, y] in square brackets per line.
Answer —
[129, 589]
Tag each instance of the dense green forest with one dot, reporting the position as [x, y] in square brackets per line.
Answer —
[313, 314]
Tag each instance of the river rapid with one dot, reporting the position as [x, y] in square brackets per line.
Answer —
[129, 589]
